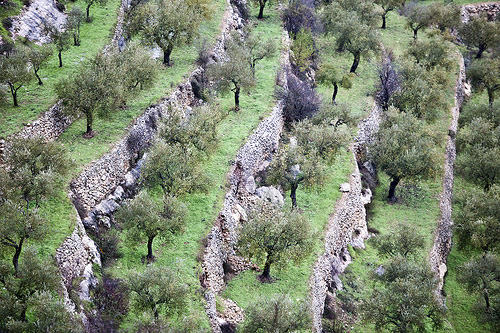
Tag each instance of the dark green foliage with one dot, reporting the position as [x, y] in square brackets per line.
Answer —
[275, 237]
[29, 303]
[479, 150]
[184, 142]
[157, 291]
[477, 225]
[33, 171]
[420, 92]
[481, 33]
[405, 300]
[403, 148]
[14, 70]
[276, 314]
[481, 276]
[351, 23]
[484, 74]
[430, 54]
[145, 218]
[168, 23]
[302, 51]
[404, 241]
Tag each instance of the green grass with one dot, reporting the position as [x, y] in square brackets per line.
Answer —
[203, 208]
[35, 99]
[245, 289]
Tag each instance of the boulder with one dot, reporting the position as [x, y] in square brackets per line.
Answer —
[270, 193]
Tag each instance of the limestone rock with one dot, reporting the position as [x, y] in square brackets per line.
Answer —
[345, 187]
[270, 193]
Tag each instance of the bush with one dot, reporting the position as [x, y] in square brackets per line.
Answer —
[297, 16]
[300, 101]
[7, 24]
[60, 7]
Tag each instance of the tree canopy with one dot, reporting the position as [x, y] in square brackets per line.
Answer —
[168, 23]
[276, 314]
[145, 218]
[403, 148]
[481, 33]
[33, 171]
[14, 70]
[274, 236]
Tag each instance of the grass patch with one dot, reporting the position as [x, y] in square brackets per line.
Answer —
[204, 208]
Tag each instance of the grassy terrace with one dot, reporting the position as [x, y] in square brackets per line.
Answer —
[83, 151]
[204, 208]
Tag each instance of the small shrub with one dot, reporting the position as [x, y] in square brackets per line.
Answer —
[60, 7]
[300, 101]
[7, 24]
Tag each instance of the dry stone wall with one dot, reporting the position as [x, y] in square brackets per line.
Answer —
[347, 226]
[443, 234]
[490, 8]
[220, 253]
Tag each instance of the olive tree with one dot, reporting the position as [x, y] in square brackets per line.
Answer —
[484, 74]
[14, 71]
[145, 218]
[404, 301]
[477, 224]
[90, 3]
[234, 72]
[329, 74]
[33, 171]
[158, 291]
[274, 237]
[481, 33]
[479, 152]
[403, 148]
[418, 17]
[352, 27]
[278, 313]
[404, 241]
[481, 276]
[59, 36]
[28, 298]
[38, 56]
[387, 6]
[75, 20]
[103, 84]
[168, 23]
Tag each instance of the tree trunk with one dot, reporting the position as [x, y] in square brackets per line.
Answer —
[355, 63]
[39, 80]
[267, 268]
[482, 48]
[14, 94]
[383, 20]
[415, 31]
[60, 58]
[166, 55]
[150, 247]
[88, 11]
[237, 97]
[335, 91]
[261, 11]
[15, 259]
[491, 97]
[392, 189]
[90, 119]
[293, 195]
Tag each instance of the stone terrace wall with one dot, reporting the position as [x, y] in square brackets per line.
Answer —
[347, 226]
[443, 234]
[29, 23]
[250, 159]
[491, 8]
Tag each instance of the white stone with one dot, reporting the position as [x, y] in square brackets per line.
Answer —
[345, 187]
